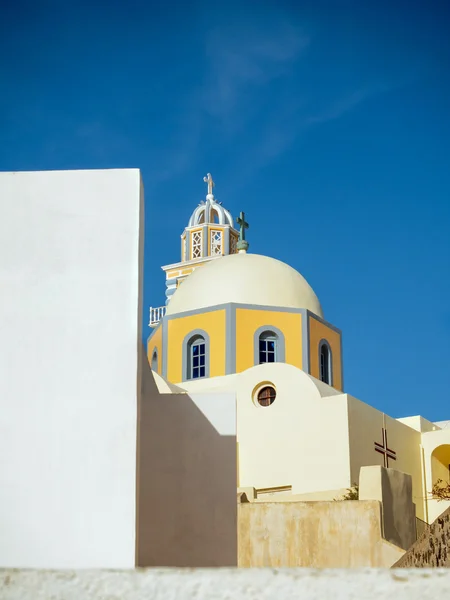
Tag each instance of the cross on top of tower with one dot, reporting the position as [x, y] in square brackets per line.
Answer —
[209, 180]
[243, 225]
[242, 245]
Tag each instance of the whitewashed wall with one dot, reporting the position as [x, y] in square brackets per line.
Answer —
[223, 584]
[70, 321]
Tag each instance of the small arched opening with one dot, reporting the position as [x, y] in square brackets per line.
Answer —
[154, 362]
[325, 363]
[440, 464]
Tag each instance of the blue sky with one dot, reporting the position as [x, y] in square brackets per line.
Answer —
[328, 123]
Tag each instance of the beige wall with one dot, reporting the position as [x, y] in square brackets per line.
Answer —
[186, 496]
[313, 534]
[365, 427]
[301, 440]
[315, 440]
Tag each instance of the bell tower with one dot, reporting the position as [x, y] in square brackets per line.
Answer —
[209, 234]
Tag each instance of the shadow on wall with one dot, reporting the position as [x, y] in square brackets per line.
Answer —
[186, 484]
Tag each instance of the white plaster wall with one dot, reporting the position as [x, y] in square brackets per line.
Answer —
[70, 321]
[288, 443]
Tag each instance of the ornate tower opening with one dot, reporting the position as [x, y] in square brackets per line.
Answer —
[209, 234]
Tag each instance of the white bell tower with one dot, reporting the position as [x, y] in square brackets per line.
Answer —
[210, 234]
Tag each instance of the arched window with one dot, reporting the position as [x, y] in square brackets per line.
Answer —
[196, 357]
[325, 364]
[269, 345]
[155, 360]
[268, 342]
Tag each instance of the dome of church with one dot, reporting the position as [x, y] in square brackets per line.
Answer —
[244, 279]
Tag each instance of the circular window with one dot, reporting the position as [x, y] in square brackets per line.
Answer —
[266, 395]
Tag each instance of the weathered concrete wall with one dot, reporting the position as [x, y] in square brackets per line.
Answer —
[222, 584]
[313, 534]
[432, 549]
[394, 490]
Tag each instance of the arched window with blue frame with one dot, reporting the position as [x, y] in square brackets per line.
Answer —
[269, 345]
[268, 342]
[196, 355]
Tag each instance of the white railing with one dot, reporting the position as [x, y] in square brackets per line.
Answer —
[156, 314]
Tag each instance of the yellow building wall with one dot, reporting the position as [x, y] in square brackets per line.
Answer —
[248, 321]
[214, 324]
[155, 342]
[317, 332]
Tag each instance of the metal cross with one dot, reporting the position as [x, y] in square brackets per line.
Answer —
[209, 180]
[244, 225]
[384, 450]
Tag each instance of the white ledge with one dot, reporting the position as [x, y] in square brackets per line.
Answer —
[221, 584]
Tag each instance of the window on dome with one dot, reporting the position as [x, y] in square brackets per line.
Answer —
[325, 363]
[268, 342]
[196, 357]
[155, 360]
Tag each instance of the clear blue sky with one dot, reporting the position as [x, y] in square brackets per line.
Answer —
[326, 122]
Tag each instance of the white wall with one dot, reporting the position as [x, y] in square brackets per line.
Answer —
[288, 443]
[222, 584]
[70, 321]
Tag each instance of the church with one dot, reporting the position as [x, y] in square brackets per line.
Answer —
[221, 442]
[300, 434]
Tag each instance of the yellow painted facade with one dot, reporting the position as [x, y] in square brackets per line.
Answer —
[249, 320]
[320, 331]
[214, 324]
[155, 343]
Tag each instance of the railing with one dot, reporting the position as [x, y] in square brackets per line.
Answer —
[156, 314]
[421, 527]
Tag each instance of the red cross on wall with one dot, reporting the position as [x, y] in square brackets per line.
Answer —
[384, 449]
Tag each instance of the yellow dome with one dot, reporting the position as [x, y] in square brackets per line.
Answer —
[244, 279]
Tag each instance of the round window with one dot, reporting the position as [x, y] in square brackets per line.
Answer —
[266, 395]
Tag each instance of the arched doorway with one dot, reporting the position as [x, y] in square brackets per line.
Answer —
[440, 464]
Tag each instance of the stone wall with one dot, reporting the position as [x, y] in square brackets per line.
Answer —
[432, 549]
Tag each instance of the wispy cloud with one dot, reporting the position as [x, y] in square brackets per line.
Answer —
[243, 62]
[345, 104]
[255, 96]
